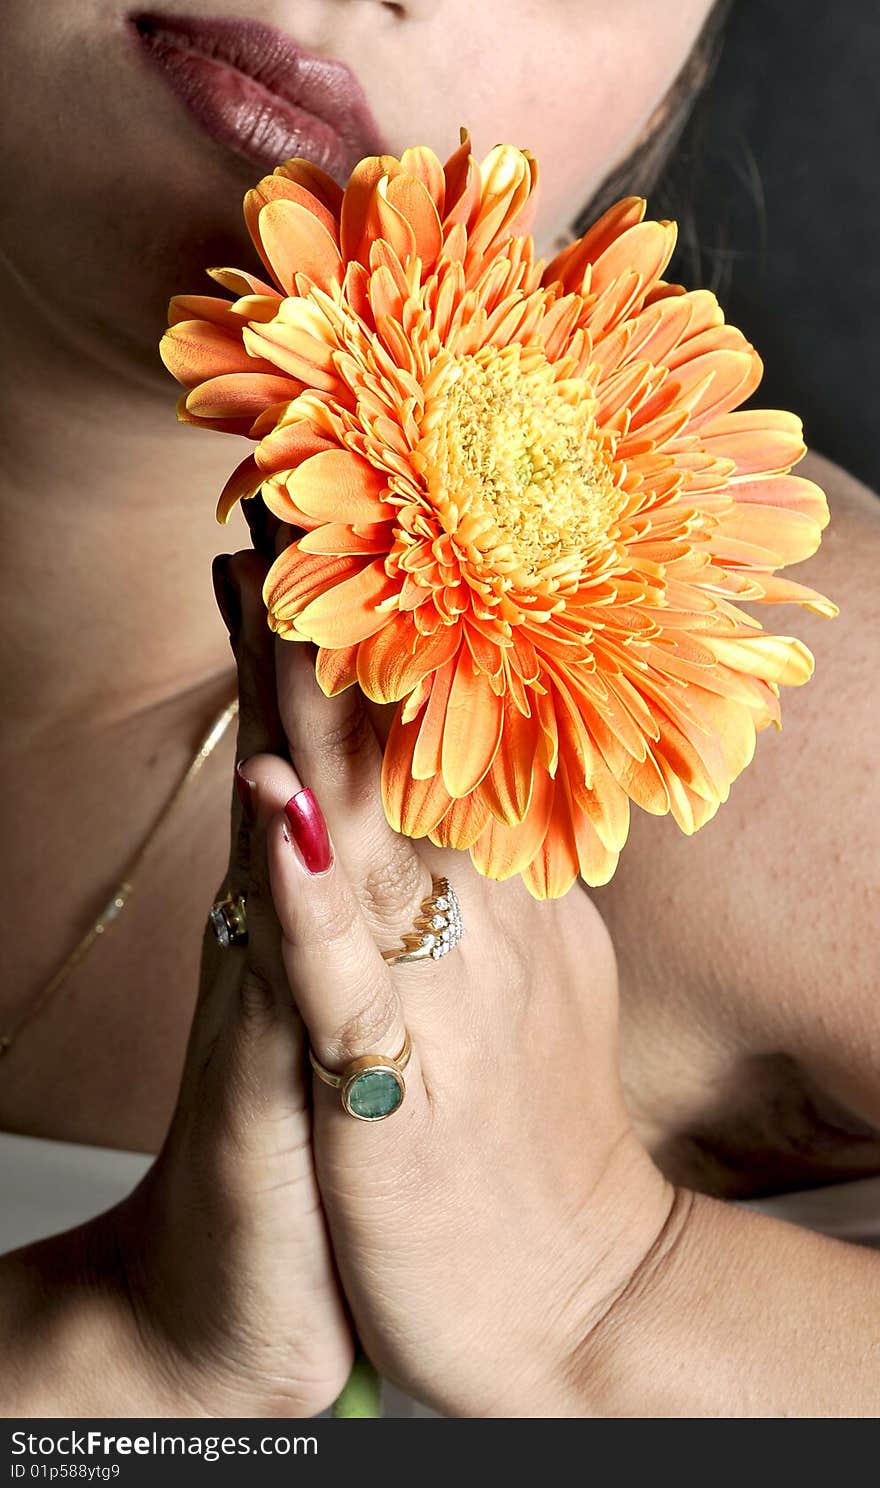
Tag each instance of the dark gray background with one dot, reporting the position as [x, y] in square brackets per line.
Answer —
[776, 188]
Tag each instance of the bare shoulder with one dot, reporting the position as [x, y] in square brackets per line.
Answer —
[855, 520]
[837, 482]
[817, 783]
[765, 922]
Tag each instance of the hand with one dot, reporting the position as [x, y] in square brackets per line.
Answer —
[224, 1245]
[484, 1229]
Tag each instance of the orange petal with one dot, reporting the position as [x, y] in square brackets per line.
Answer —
[413, 202]
[239, 395]
[320, 187]
[416, 701]
[462, 824]
[500, 851]
[386, 297]
[722, 379]
[358, 223]
[349, 611]
[244, 482]
[355, 290]
[786, 591]
[194, 350]
[642, 780]
[240, 426]
[783, 536]
[759, 440]
[570, 266]
[290, 445]
[337, 486]
[705, 310]
[428, 749]
[336, 670]
[597, 860]
[696, 758]
[688, 810]
[507, 787]
[625, 387]
[654, 333]
[242, 283]
[472, 730]
[663, 291]
[393, 661]
[782, 660]
[721, 337]
[281, 187]
[204, 308]
[422, 163]
[506, 183]
[392, 226]
[339, 537]
[413, 807]
[790, 491]
[296, 242]
[618, 219]
[548, 741]
[299, 341]
[734, 726]
[604, 804]
[278, 502]
[618, 300]
[645, 248]
[555, 866]
[462, 184]
[296, 578]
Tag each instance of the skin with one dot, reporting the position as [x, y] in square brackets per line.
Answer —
[91, 255]
[721, 1017]
[588, 1272]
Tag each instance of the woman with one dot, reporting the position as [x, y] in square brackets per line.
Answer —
[538, 1230]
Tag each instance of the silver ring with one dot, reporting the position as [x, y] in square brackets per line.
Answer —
[437, 928]
[228, 920]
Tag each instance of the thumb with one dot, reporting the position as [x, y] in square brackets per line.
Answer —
[344, 991]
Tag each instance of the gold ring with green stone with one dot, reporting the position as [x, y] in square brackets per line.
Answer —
[372, 1087]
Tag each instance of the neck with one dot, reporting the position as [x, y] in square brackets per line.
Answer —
[108, 534]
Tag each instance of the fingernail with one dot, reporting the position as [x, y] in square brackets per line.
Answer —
[245, 790]
[308, 831]
[227, 595]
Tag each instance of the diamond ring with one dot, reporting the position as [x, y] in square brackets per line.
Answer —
[437, 928]
[228, 920]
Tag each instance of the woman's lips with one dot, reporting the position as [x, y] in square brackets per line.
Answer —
[255, 90]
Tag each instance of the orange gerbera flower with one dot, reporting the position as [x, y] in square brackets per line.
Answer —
[530, 512]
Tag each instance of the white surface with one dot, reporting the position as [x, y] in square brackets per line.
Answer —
[46, 1187]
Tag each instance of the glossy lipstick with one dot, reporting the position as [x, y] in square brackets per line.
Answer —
[256, 91]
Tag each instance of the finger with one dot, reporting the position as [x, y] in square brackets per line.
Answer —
[235, 973]
[335, 750]
[343, 989]
[262, 525]
[238, 582]
[260, 961]
[245, 1021]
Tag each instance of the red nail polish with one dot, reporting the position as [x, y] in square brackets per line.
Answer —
[245, 789]
[309, 832]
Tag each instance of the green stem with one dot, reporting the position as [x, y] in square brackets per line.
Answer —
[362, 1395]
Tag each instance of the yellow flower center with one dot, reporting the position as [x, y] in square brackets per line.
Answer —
[507, 441]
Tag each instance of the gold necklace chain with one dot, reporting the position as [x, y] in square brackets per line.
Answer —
[124, 889]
